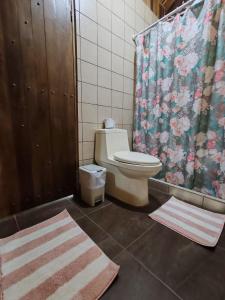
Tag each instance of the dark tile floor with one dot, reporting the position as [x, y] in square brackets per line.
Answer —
[156, 263]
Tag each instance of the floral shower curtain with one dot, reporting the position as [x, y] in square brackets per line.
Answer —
[180, 97]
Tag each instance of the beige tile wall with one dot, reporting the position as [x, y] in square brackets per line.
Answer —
[106, 65]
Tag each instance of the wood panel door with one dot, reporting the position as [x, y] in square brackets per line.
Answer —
[38, 103]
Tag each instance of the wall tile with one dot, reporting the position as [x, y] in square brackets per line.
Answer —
[106, 3]
[89, 132]
[117, 64]
[88, 8]
[129, 52]
[128, 69]
[88, 51]
[80, 132]
[117, 115]
[103, 113]
[79, 91]
[89, 93]
[117, 26]
[117, 82]
[78, 70]
[131, 3]
[80, 151]
[89, 113]
[139, 23]
[104, 58]
[128, 85]
[104, 38]
[212, 204]
[127, 116]
[117, 99]
[128, 34]
[77, 22]
[117, 45]
[88, 150]
[78, 46]
[104, 17]
[118, 8]
[104, 96]
[128, 101]
[79, 112]
[140, 7]
[88, 29]
[104, 78]
[89, 72]
[129, 16]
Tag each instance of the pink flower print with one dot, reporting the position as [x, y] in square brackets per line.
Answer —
[145, 76]
[164, 108]
[155, 101]
[137, 140]
[217, 157]
[221, 121]
[175, 178]
[179, 60]
[211, 135]
[211, 144]
[143, 103]
[208, 17]
[141, 39]
[164, 136]
[154, 152]
[190, 157]
[219, 75]
[145, 124]
[138, 92]
[198, 93]
[163, 157]
[216, 184]
[197, 164]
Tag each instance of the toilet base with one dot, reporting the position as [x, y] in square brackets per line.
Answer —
[133, 191]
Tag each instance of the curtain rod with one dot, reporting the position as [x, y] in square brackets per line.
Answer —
[175, 11]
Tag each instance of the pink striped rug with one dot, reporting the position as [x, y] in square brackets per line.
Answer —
[53, 260]
[199, 225]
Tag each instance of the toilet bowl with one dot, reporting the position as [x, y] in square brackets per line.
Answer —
[127, 171]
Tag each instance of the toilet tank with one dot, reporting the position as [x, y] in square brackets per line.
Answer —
[109, 141]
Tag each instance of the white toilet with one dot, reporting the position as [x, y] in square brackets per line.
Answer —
[127, 171]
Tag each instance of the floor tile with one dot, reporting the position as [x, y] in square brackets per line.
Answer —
[8, 227]
[44, 212]
[167, 254]
[110, 247]
[124, 224]
[87, 209]
[94, 232]
[221, 241]
[134, 282]
[207, 282]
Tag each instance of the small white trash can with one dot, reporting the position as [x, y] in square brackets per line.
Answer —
[92, 182]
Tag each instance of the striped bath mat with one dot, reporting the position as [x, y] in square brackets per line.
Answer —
[53, 260]
[199, 225]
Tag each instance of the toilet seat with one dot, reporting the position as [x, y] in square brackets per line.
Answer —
[135, 158]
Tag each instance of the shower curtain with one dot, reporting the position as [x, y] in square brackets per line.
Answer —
[180, 97]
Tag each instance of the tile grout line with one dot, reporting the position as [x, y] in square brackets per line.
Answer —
[146, 231]
[195, 270]
[156, 277]
[125, 249]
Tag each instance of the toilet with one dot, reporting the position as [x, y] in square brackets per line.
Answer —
[127, 171]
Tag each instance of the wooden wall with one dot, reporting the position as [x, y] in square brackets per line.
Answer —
[38, 112]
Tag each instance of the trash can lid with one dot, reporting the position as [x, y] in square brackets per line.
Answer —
[92, 168]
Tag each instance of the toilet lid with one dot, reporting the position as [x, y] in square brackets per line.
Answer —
[136, 158]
